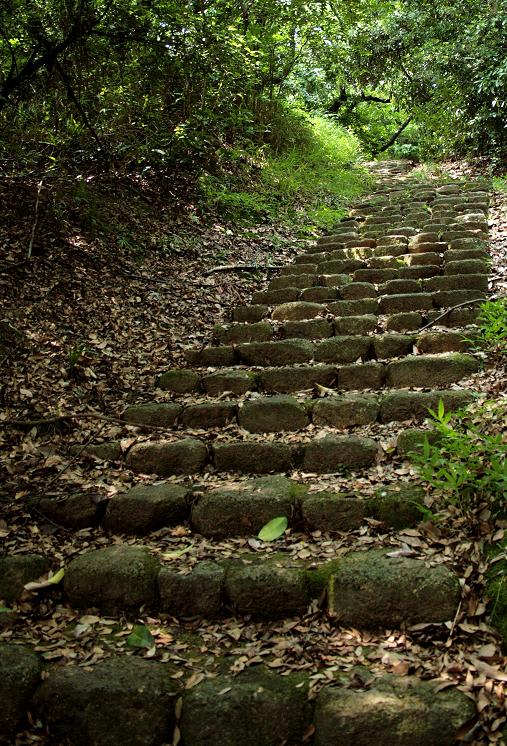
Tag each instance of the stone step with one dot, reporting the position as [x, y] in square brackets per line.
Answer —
[323, 454]
[132, 700]
[320, 327]
[365, 590]
[432, 371]
[282, 413]
[336, 349]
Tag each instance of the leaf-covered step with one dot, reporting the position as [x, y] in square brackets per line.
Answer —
[281, 413]
[338, 349]
[365, 589]
[427, 371]
[258, 707]
[240, 509]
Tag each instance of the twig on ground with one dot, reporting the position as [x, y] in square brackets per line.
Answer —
[453, 308]
[53, 419]
[242, 268]
[35, 221]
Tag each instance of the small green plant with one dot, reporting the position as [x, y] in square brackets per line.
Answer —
[492, 322]
[468, 462]
[74, 356]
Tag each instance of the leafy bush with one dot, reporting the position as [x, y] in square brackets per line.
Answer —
[468, 463]
[492, 332]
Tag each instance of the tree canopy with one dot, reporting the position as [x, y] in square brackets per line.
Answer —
[203, 84]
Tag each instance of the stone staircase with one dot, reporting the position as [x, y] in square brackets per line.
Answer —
[346, 349]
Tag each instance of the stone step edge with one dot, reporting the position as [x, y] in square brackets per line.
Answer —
[259, 706]
[285, 413]
[322, 328]
[237, 511]
[331, 454]
[368, 375]
[122, 579]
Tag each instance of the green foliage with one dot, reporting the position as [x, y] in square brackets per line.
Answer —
[314, 179]
[140, 637]
[492, 332]
[468, 463]
[273, 529]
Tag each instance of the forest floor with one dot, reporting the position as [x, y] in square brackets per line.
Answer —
[88, 324]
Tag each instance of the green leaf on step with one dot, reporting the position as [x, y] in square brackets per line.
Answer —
[5, 609]
[274, 529]
[140, 637]
[55, 579]
[177, 552]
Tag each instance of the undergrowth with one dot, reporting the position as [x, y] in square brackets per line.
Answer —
[309, 182]
[468, 460]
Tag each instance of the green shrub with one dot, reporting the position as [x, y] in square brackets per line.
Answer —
[492, 322]
[468, 464]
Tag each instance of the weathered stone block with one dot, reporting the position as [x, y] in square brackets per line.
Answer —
[17, 570]
[293, 281]
[345, 411]
[353, 307]
[214, 357]
[404, 322]
[358, 290]
[457, 282]
[349, 325]
[261, 331]
[272, 414]
[114, 579]
[284, 352]
[375, 275]
[449, 298]
[164, 458]
[244, 511]
[403, 405]
[272, 297]
[125, 700]
[266, 590]
[405, 302]
[146, 508]
[393, 712]
[431, 370]
[370, 590]
[250, 313]
[297, 311]
[235, 381]
[361, 376]
[434, 342]
[198, 593]
[342, 349]
[72, 511]
[256, 708]
[20, 671]
[467, 267]
[419, 272]
[392, 345]
[398, 505]
[163, 414]
[332, 453]
[287, 380]
[209, 414]
[179, 381]
[399, 287]
[328, 511]
[312, 329]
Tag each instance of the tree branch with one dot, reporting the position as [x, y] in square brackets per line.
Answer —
[394, 137]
